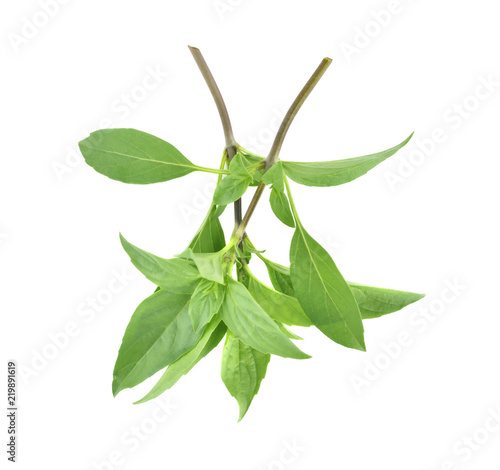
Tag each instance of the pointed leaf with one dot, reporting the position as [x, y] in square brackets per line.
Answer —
[246, 319]
[132, 156]
[243, 369]
[323, 293]
[233, 186]
[275, 177]
[175, 275]
[209, 264]
[332, 173]
[278, 306]
[281, 207]
[159, 332]
[211, 337]
[205, 302]
[210, 236]
[374, 302]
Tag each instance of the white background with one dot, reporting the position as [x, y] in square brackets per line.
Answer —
[418, 222]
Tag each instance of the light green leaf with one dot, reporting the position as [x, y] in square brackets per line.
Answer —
[275, 177]
[210, 236]
[132, 156]
[281, 207]
[323, 293]
[332, 173]
[287, 332]
[175, 275]
[159, 332]
[278, 306]
[233, 186]
[250, 323]
[205, 302]
[210, 338]
[242, 371]
[209, 264]
[374, 302]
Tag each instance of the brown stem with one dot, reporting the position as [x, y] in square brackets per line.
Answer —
[273, 156]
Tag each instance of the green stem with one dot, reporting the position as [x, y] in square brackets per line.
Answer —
[292, 203]
[212, 170]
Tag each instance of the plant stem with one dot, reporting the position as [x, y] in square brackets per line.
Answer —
[273, 156]
[231, 145]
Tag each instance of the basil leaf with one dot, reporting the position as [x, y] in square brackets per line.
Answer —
[374, 302]
[159, 332]
[332, 173]
[132, 156]
[278, 306]
[174, 275]
[287, 332]
[281, 207]
[242, 371]
[205, 302]
[211, 337]
[323, 293]
[209, 264]
[246, 319]
[233, 186]
[210, 236]
[275, 176]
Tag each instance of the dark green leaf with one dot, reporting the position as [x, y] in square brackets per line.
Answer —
[281, 207]
[132, 156]
[280, 276]
[205, 302]
[336, 172]
[242, 371]
[246, 319]
[175, 275]
[323, 293]
[159, 332]
[211, 337]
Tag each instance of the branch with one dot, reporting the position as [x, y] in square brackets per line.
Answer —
[224, 116]
[273, 156]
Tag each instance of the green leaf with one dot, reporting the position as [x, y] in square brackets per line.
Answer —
[205, 302]
[174, 275]
[242, 371]
[287, 332]
[210, 338]
[336, 172]
[279, 276]
[159, 332]
[278, 306]
[281, 207]
[233, 186]
[132, 156]
[246, 319]
[374, 302]
[209, 264]
[323, 293]
[275, 176]
[210, 236]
